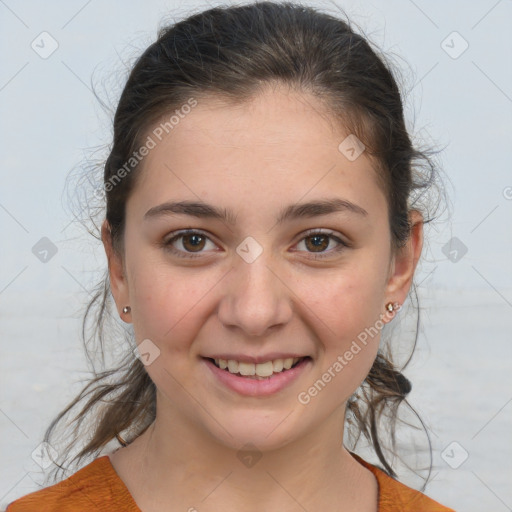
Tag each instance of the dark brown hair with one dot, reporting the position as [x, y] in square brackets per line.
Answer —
[231, 53]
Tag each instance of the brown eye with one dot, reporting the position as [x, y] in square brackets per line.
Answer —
[317, 242]
[193, 242]
[186, 243]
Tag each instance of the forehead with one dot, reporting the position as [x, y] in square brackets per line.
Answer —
[278, 141]
[276, 117]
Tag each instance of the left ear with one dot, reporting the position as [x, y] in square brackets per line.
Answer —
[405, 260]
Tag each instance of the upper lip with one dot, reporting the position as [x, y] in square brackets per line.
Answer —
[245, 358]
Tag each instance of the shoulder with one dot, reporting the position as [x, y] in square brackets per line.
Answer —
[397, 497]
[95, 487]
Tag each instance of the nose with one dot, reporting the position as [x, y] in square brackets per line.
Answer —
[256, 298]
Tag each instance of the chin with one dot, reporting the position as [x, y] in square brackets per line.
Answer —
[264, 431]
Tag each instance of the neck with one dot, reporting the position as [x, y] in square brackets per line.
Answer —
[175, 462]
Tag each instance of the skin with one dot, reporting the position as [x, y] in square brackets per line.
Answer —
[276, 150]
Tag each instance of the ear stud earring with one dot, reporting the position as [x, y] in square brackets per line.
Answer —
[126, 309]
[393, 306]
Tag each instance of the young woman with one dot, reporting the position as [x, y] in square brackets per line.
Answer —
[261, 230]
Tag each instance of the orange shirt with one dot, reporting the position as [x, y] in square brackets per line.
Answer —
[97, 487]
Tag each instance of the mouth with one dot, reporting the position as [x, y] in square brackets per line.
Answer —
[256, 379]
[260, 371]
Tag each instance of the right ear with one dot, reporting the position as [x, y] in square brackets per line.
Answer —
[118, 282]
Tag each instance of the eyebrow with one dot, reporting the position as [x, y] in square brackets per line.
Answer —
[295, 211]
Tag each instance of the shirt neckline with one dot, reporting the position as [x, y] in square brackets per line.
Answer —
[379, 475]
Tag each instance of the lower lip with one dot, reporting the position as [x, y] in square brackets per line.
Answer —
[256, 387]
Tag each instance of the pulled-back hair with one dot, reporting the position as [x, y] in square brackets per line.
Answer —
[232, 53]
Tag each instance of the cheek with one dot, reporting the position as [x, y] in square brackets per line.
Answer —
[348, 299]
[349, 305]
[168, 304]
[349, 337]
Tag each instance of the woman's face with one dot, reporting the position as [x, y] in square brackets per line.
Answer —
[266, 282]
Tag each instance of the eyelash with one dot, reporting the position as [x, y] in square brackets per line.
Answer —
[167, 244]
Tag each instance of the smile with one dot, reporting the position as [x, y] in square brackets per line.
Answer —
[262, 370]
[256, 381]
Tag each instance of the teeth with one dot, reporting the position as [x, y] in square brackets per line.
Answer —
[246, 368]
[278, 365]
[265, 369]
[287, 363]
